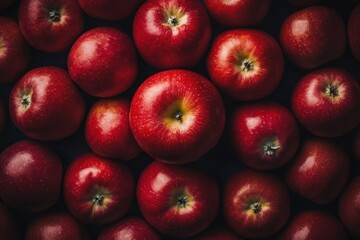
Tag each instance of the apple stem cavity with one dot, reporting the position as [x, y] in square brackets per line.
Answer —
[182, 201]
[25, 100]
[331, 90]
[247, 65]
[54, 15]
[256, 207]
[173, 21]
[98, 199]
[178, 116]
[270, 148]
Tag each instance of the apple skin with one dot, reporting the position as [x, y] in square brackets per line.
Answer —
[326, 102]
[313, 224]
[177, 200]
[103, 62]
[172, 34]
[218, 233]
[107, 129]
[177, 116]
[129, 229]
[354, 32]
[98, 190]
[236, 14]
[13, 49]
[9, 228]
[319, 171]
[6, 3]
[55, 225]
[50, 25]
[313, 36]
[303, 3]
[46, 105]
[265, 135]
[30, 176]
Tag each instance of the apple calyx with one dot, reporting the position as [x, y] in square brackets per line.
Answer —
[173, 17]
[181, 200]
[247, 66]
[178, 116]
[270, 147]
[255, 206]
[331, 89]
[25, 100]
[98, 199]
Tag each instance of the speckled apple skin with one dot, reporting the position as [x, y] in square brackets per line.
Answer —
[354, 31]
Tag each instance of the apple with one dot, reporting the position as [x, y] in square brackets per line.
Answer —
[107, 129]
[103, 62]
[217, 233]
[239, 13]
[255, 204]
[30, 176]
[129, 229]
[50, 25]
[172, 34]
[46, 105]
[354, 32]
[177, 200]
[313, 36]
[303, 3]
[98, 190]
[326, 102]
[246, 64]
[176, 116]
[314, 224]
[9, 228]
[55, 225]
[319, 171]
[6, 3]
[265, 135]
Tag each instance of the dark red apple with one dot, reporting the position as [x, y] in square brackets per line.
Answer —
[30, 176]
[46, 105]
[178, 201]
[303, 3]
[319, 171]
[313, 36]
[50, 25]
[240, 13]
[98, 190]
[103, 62]
[6, 3]
[327, 101]
[9, 228]
[353, 31]
[255, 204]
[172, 34]
[107, 129]
[177, 116]
[217, 233]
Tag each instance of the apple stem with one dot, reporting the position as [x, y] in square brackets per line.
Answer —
[54, 15]
[270, 148]
[25, 101]
[256, 207]
[98, 199]
[182, 201]
[332, 90]
[247, 65]
[173, 21]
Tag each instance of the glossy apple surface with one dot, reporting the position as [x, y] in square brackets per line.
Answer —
[177, 116]
[103, 62]
[30, 176]
[107, 129]
[46, 105]
[326, 102]
[178, 201]
[354, 31]
[172, 34]
[9, 228]
[98, 190]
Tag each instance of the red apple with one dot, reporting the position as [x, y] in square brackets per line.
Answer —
[9, 228]
[13, 49]
[265, 135]
[326, 102]
[217, 233]
[6, 3]
[103, 62]
[313, 36]
[107, 129]
[303, 3]
[55, 225]
[354, 31]
[30, 176]
[256, 204]
[319, 171]
[50, 25]
[172, 34]
[177, 116]
[129, 229]
[46, 105]
[238, 13]
[246, 64]
[178, 201]
[98, 190]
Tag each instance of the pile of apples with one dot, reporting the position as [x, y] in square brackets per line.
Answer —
[179, 119]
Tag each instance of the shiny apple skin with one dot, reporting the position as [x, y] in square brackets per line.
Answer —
[246, 187]
[313, 224]
[13, 49]
[55, 225]
[164, 46]
[313, 36]
[107, 129]
[129, 229]
[319, 171]
[265, 135]
[303, 3]
[103, 62]
[354, 31]
[240, 13]
[175, 141]
[46, 34]
[30, 176]
[56, 108]
[89, 175]
[9, 228]
[159, 184]
[218, 233]
[225, 63]
[321, 113]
